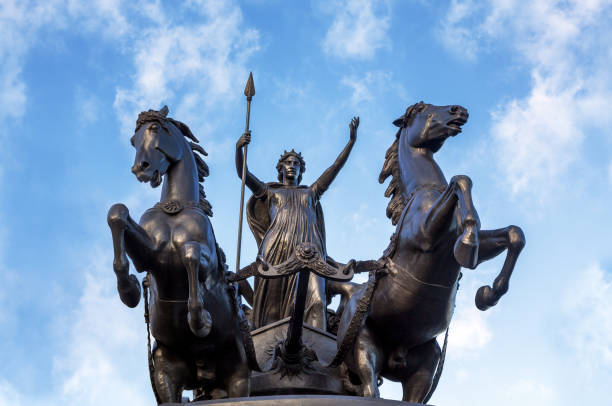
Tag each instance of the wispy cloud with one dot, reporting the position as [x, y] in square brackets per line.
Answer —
[88, 106]
[359, 28]
[169, 57]
[105, 345]
[366, 87]
[459, 39]
[469, 329]
[530, 392]
[539, 136]
[19, 23]
[9, 395]
[588, 329]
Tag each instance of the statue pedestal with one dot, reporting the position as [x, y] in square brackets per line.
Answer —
[301, 400]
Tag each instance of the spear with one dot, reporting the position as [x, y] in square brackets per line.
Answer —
[249, 92]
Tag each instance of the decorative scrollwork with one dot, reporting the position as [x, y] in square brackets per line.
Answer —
[304, 256]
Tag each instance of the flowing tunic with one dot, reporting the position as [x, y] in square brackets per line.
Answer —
[294, 217]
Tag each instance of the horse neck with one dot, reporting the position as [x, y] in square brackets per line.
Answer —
[181, 181]
[418, 168]
[419, 171]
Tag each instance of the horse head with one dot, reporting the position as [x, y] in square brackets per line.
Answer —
[158, 145]
[428, 126]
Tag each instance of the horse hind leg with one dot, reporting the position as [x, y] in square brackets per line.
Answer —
[367, 362]
[493, 243]
[170, 375]
[237, 373]
[200, 321]
[127, 285]
[467, 245]
[418, 371]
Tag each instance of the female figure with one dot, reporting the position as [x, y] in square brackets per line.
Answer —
[281, 215]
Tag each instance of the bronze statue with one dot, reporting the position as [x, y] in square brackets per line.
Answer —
[393, 320]
[195, 315]
[281, 216]
[386, 327]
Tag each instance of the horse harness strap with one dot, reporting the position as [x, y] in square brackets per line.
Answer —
[244, 273]
[145, 293]
[243, 323]
[175, 206]
[377, 270]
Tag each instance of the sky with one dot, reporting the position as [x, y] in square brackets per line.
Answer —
[534, 76]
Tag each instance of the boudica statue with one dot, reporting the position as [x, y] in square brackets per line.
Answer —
[385, 328]
[282, 215]
[195, 315]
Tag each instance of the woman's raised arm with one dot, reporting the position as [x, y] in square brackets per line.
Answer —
[321, 184]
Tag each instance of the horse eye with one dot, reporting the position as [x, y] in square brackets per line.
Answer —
[154, 127]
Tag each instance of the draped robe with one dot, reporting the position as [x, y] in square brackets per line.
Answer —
[281, 217]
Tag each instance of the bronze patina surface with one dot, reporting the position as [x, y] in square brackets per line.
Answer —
[194, 313]
[289, 348]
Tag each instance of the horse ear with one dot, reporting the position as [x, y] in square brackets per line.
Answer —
[399, 122]
[164, 111]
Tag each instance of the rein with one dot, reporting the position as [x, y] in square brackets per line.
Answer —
[145, 293]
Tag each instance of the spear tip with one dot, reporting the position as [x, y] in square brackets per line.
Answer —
[249, 90]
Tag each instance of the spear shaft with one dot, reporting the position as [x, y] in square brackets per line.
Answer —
[249, 92]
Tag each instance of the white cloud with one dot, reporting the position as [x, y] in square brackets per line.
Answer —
[359, 29]
[105, 345]
[367, 87]
[8, 395]
[104, 16]
[588, 329]
[456, 38]
[469, 330]
[564, 46]
[19, 23]
[171, 56]
[530, 392]
[88, 106]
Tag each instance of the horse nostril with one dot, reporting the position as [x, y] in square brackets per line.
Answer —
[140, 166]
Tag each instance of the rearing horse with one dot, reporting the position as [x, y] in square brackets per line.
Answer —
[438, 232]
[194, 312]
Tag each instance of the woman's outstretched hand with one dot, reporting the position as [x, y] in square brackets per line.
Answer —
[353, 127]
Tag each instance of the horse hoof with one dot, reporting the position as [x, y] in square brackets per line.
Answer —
[129, 290]
[466, 248]
[200, 322]
[485, 298]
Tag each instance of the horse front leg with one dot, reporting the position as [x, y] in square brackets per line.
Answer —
[467, 245]
[123, 228]
[493, 242]
[200, 321]
[438, 218]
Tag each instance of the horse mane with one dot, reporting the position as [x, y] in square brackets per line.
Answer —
[391, 168]
[203, 169]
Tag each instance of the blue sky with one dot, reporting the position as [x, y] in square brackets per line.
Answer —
[534, 76]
